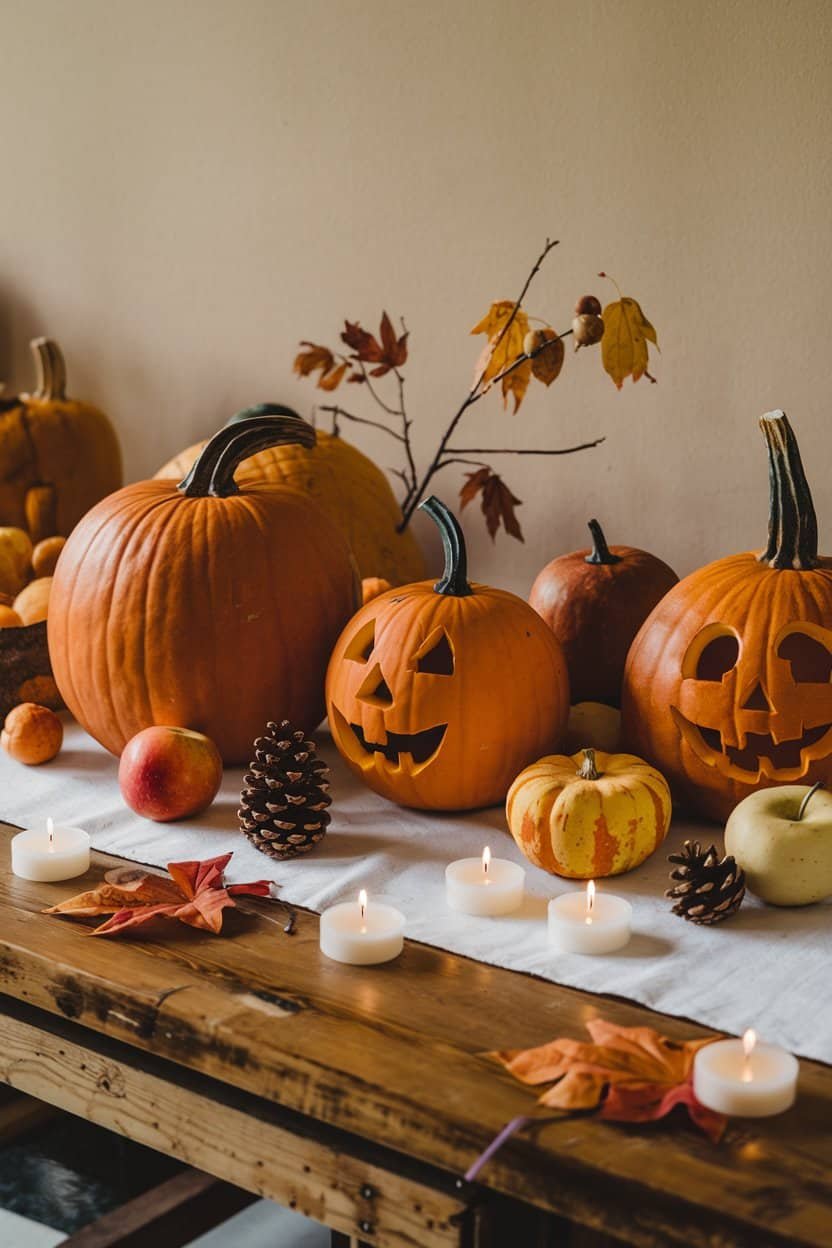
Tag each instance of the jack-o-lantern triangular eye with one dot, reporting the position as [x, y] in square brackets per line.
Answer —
[436, 656]
[360, 647]
[810, 661]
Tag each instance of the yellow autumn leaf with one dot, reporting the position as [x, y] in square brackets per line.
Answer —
[498, 355]
[624, 344]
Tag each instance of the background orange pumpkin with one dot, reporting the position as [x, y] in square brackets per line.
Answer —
[351, 489]
[58, 456]
[204, 605]
[438, 694]
[727, 685]
[595, 601]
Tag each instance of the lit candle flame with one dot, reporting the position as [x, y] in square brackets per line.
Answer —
[749, 1042]
[50, 832]
[486, 861]
[362, 903]
[590, 900]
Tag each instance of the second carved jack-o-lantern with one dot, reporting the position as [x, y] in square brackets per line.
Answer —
[727, 686]
[438, 695]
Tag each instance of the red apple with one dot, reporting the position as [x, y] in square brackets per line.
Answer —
[169, 773]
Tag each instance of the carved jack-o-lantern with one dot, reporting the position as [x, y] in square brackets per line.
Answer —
[727, 687]
[438, 695]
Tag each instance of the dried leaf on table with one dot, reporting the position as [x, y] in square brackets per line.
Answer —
[498, 502]
[624, 344]
[320, 359]
[500, 352]
[195, 893]
[635, 1074]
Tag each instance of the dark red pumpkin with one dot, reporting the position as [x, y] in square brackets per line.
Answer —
[595, 601]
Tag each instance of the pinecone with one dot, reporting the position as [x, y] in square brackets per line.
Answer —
[283, 805]
[706, 890]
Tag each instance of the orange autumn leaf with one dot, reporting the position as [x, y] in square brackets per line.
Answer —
[634, 1073]
[548, 362]
[321, 360]
[194, 893]
[624, 343]
[500, 352]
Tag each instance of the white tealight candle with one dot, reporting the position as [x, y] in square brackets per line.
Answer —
[362, 934]
[484, 885]
[589, 922]
[745, 1078]
[50, 853]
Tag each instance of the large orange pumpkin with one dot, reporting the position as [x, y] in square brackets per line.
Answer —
[727, 685]
[58, 456]
[203, 605]
[351, 489]
[439, 694]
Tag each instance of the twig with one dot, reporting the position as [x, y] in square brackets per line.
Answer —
[359, 420]
[288, 926]
[515, 450]
[474, 393]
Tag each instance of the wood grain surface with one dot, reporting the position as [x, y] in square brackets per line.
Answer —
[397, 1055]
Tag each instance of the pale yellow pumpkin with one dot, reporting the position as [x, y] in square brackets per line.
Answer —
[353, 492]
[590, 814]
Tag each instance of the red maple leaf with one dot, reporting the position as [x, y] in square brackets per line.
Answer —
[195, 893]
[388, 354]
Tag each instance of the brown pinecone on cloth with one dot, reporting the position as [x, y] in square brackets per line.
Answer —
[706, 889]
[283, 805]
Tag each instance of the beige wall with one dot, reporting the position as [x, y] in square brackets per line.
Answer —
[192, 187]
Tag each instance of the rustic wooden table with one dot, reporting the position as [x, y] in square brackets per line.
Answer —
[359, 1095]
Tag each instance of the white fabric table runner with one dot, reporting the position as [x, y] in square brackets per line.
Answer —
[768, 968]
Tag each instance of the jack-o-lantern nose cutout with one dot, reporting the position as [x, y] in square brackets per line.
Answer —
[375, 691]
[757, 700]
[728, 685]
[419, 708]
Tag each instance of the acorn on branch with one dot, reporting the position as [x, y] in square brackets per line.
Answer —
[706, 888]
[587, 327]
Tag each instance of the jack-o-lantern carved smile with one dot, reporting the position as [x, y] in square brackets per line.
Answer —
[768, 716]
[418, 706]
[728, 685]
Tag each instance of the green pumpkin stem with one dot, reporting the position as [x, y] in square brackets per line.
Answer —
[588, 769]
[600, 552]
[51, 369]
[792, 524]
[212, 476]
[454, 580]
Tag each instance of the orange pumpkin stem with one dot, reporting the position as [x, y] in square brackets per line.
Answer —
[51, 370]
[255, 429]
[454, 580]
[792, 524]
[600, 552]
[587, 769]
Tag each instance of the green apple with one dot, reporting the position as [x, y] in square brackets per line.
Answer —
[787, 860]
